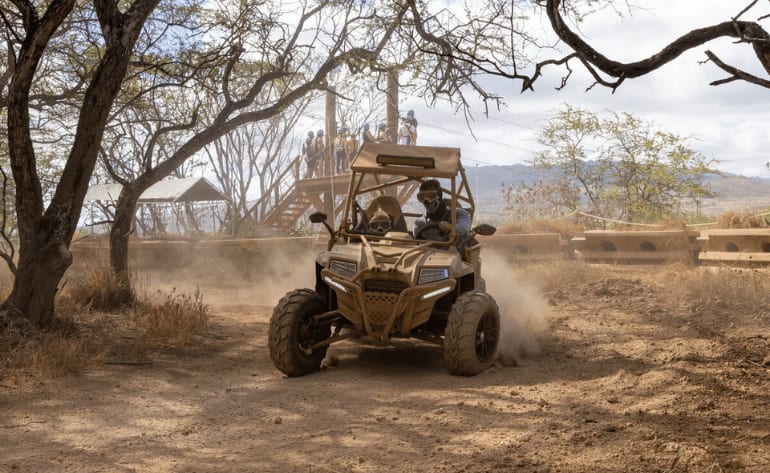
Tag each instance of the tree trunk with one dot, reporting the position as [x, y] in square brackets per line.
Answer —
[125, 210]
[41, 266]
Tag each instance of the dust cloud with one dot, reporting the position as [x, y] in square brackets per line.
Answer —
[286, 270]
[523, 309]
[261, 276]
[257, 277]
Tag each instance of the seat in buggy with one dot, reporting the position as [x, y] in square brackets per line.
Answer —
[385, 205]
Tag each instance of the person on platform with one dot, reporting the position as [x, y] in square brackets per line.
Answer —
[320, 152]
[339, 152]
[351, 148]
[407, 131]
[366, 135]
[309, 154]
[383, 136]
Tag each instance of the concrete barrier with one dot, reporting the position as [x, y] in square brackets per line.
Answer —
[637, 246]
[141, 253]
[523, 244]
[89, 252]
[749, 245]
[250, 256]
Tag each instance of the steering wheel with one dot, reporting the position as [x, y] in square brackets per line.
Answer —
[430, 231]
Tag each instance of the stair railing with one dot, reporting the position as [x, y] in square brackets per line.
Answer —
[281, 187]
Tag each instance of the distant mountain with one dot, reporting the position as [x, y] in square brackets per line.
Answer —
[738, 194]
[734, 193]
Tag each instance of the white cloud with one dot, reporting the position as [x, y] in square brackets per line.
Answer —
[731, 122]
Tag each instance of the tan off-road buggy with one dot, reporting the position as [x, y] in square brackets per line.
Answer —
[380, 281]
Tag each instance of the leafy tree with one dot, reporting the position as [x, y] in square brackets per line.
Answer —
[549, 199]
[624, 167]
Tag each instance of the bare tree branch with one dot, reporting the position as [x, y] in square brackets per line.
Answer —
[736, 74]
[748, 32]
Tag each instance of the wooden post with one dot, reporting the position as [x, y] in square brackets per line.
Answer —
[329, 162]
[391, 104]
[331, 131]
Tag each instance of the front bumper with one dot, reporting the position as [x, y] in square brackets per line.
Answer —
[382, 303]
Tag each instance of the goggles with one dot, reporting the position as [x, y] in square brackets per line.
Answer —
[380, 226]
[427, 196]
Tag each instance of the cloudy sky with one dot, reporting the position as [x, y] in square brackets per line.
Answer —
[730, 123]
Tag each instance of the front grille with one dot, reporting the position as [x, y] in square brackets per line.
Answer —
[390, 286]
[380, 296]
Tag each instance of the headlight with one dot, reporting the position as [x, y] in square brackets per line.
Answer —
[346, 269]
[432, 275]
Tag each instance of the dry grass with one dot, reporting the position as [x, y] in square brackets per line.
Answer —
[27, 351]
[176, 317]
[740, 220]
[82, 336]
[718, 291]
[557, 275]
[51, 354]
[721, 288]
[97, 287]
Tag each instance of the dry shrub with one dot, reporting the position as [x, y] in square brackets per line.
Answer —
[740, 220]
[96, 286]
[82, 334]
[61, 348]
[671, 224]
[53, 354]
[176, 317]
[28, 351]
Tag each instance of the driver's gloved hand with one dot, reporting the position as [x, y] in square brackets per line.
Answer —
[445, 227]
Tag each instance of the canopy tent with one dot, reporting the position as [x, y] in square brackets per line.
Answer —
[177, 206]
[190, 189]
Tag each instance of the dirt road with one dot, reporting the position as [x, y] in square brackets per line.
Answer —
[620, 382]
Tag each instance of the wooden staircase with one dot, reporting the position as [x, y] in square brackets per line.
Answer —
[282, 218]
[282, 205]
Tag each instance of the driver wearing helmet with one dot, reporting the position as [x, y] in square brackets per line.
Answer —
[439, 216]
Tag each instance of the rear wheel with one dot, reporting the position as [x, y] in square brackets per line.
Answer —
[472, 334]
[293, 332]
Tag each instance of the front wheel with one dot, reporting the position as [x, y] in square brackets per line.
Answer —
[293, 332]
[472, 333]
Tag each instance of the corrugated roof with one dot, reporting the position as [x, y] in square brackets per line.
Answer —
[191, 189]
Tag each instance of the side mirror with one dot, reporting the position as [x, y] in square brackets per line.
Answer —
[484, 229]
[318, 217]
